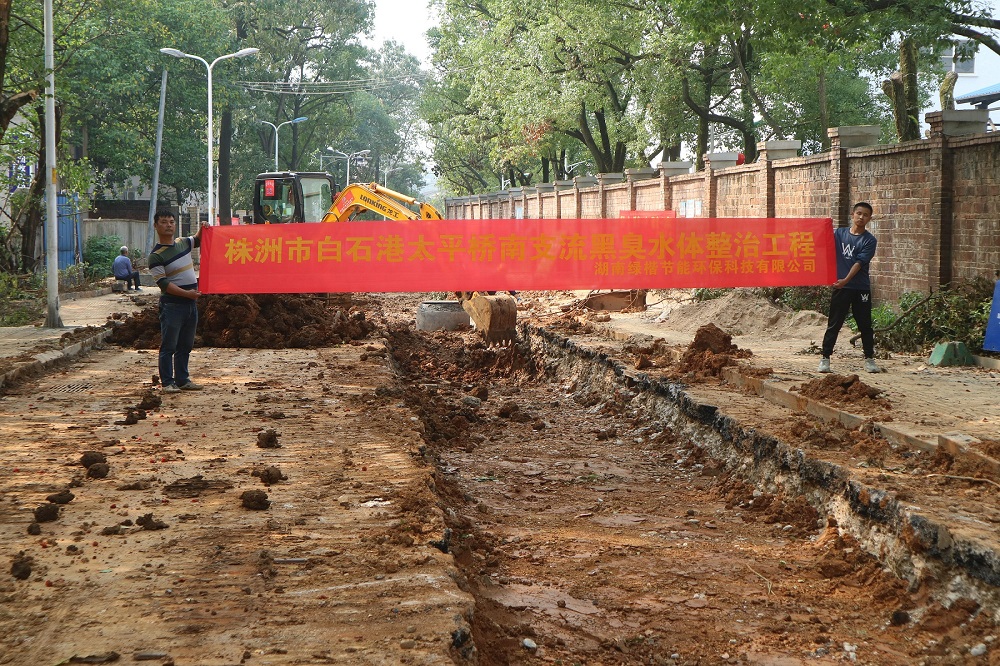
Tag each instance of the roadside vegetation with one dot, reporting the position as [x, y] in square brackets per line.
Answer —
[23, 297]
[958, 312]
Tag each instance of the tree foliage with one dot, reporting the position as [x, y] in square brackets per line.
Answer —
[626, 81]
[108, 73]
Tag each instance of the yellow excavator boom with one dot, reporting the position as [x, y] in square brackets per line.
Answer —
[359, 197]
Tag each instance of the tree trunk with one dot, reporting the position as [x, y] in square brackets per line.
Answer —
[36, 195]
[225, 160]
[893, 89]
[824, 109]
[908, 68]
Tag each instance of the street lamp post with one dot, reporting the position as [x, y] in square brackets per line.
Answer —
[239, 54]
[385, 175]
[385, 180]
[350, 158]
[322, 156]
[278, 127]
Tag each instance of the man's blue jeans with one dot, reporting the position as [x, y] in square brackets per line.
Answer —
[178, 322]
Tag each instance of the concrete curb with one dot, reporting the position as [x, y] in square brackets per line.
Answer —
[75, 295]
[45, 360]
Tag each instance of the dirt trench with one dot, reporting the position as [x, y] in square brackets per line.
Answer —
[589, 527]
[589, 531]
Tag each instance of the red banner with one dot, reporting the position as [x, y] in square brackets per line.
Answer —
[469, 255]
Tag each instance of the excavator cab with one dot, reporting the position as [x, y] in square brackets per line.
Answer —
[284, 197]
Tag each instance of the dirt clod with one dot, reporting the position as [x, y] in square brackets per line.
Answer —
[46, 513]
[62, 497]
[20, 567]
[269, 475]
[268, 439]
[255, 500]
[90, 457]
[150, 400]
[150, 522]
[98, 470]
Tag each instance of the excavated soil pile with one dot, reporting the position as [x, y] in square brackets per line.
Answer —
[873, 450]
[571, 323]
[258, 321]
[769, 509]
[845, 390]
[466, 368]
[467, 360]
[711, 350]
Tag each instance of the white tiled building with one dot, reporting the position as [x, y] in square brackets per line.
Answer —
[977, 76]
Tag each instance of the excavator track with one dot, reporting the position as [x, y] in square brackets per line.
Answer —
[495, 316]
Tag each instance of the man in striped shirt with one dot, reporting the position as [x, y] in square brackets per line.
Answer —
[171, 266]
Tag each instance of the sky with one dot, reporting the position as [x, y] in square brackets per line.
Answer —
[404, 21]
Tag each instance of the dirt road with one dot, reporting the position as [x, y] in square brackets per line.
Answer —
[338, 569]
[442, 503]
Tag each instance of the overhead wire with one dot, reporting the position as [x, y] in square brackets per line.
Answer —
[345, 87]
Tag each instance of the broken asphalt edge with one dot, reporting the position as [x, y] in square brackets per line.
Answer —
[915, 544]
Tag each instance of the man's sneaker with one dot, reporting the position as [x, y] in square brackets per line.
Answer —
[824, 365]
[870, 365]
[190, 386]
[171, 388]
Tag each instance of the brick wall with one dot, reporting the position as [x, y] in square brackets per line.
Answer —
[687, 189]
[648, 195]
[937, 214]
[975, 208]
[616, 199]
[739, 192]
[803, 187]
[896, 180]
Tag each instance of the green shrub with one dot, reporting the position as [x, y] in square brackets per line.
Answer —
[100, 252]
[19, 304]
[957, 313]
[805, 298]
[80, 276]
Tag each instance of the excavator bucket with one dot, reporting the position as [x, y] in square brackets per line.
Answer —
[495, 316]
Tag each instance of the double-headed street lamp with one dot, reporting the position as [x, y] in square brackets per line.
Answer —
[242, 53]
[350, 158]
[278, 127]
[385, 174]
[570, 168]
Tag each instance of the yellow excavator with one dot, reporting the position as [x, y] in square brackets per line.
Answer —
[291, 196]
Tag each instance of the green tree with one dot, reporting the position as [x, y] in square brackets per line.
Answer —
[533, 74]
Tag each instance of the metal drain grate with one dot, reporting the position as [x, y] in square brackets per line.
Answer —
[72, 388]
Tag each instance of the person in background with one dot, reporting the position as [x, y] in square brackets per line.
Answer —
[171, 266]
[852, 291]
[122, 268]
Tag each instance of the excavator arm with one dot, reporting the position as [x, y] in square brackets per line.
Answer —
[359, 197]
